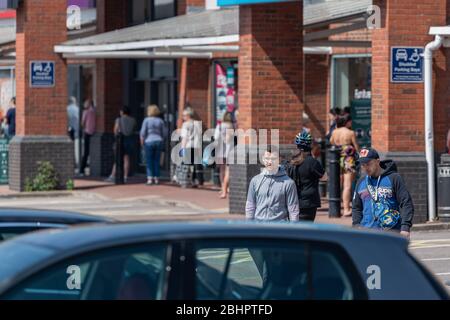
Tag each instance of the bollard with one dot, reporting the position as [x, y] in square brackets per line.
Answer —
[119, 160]
[334, 182]
[323, 161]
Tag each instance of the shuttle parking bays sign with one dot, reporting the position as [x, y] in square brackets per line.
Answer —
[407, 64]
[42, 74]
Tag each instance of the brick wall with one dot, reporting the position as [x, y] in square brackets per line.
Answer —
[197, 88]
[41, 119]
[316, 92]
[35, 41]
[356, 35]
[397, 109]
[271, 67]
[270, 81]
[110, 83]
[111, 16]
[182, 5]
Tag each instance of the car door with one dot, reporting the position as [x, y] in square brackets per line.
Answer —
[271, 269]
[136, 272]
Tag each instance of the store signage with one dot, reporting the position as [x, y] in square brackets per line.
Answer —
[42, 74]
[362, 120]
[407, 64]
[4, 162]
[221, 92]
[9, 4]
[223, 3]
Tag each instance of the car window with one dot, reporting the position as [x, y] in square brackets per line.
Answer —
[116, 274]
[10, 232]
[273, 270]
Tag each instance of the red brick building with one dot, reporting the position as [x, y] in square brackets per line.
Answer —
[282, 60]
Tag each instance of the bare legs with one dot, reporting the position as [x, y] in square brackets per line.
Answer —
[347, 193]
[126, 165]
[224, 178]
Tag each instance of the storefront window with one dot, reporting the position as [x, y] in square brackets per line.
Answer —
[163, 69]
[164, 9]
[150, 10]
[352, 88]
[143, 70]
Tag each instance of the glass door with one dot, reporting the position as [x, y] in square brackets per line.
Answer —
[163, 94]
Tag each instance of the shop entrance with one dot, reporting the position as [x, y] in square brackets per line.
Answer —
[81, 86]
[155, 82]
[163, 94]
[351, 87]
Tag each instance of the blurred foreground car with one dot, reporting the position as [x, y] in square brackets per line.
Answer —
[14, 222]
[212, 260]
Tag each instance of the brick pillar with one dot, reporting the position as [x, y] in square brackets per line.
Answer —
[316, 93]
[270, 81]
[41, 119]
[197, 88]
[398, 108]
[110, 94]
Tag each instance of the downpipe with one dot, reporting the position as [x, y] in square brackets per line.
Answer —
[429, 129]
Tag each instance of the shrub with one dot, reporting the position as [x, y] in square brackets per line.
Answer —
[45, 180]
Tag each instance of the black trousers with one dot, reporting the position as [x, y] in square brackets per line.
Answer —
[308, 214]
[189, 159]
[87, 149]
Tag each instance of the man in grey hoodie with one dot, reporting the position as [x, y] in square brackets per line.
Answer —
[272, 195]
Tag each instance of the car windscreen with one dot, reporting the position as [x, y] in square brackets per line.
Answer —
[16, 257]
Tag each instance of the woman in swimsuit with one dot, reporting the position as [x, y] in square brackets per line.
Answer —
[345, 138]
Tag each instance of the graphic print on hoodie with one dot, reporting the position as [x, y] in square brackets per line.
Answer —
[272, 197]
[391, 191]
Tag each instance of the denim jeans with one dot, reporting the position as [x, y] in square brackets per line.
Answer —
[153, 156]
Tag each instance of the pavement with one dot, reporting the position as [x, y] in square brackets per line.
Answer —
[136, 201]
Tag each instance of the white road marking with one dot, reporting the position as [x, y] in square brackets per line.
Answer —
[432, 246]
[443, 274]
[436, 259]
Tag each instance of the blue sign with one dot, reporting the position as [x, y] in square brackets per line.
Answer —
[223, 3]
[406, 64]
[42, 74]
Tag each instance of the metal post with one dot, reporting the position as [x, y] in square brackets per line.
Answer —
[323, 159]
[119, 160]
[334, 182]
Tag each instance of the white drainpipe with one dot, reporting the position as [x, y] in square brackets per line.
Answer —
[429, 131]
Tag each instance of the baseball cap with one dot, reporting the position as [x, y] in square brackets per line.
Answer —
[367, 154]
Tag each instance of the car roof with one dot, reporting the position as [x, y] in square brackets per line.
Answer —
[98, 236]
[49, 216]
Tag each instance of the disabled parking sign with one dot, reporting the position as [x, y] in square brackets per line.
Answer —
[42, 74]
[407, 64]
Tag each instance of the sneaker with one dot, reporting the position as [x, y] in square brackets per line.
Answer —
[156, 181]
[110, 179]
[149, 181]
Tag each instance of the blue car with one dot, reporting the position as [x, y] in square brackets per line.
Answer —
[214, 260]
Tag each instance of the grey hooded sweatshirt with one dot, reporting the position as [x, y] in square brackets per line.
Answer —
[272, 198]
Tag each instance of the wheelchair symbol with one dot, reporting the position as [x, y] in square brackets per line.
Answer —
[415, 56]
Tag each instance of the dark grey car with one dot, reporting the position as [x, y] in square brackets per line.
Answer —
[212, 260]
[17, 221]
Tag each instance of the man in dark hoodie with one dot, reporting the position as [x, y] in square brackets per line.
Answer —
[381, 200]
[272, 195]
